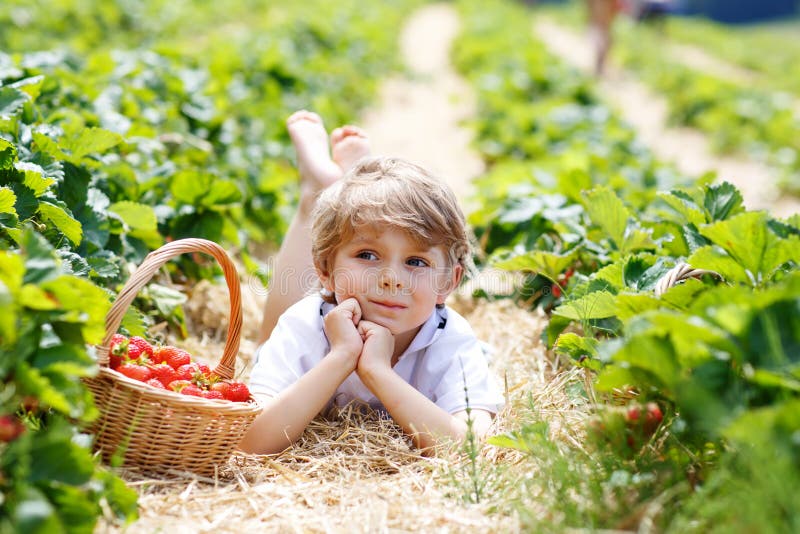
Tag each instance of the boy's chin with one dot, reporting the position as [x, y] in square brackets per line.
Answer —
[378, 321]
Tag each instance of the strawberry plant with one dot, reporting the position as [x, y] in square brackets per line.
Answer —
[50, 481]
[691, 389]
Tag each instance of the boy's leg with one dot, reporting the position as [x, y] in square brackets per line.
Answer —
[293, 274]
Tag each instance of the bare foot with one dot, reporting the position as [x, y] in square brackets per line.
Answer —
[317, 169]
[349, 144]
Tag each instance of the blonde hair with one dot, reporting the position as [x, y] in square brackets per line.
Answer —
[389, 192]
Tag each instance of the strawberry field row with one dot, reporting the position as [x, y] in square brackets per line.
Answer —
[593, 222]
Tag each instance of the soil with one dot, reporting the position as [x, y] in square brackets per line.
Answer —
[419, 116]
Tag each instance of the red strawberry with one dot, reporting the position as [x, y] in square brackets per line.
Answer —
[174, 356]
[178, 385]
[633, 413]
[192, 390]
[135, 371]
[119, 344]
[164, 373]
[187, 372]
[232, 391]
[138, 347]
[114, 361]
[10, 428]
[204, 369]
[156, 383]
[117, 350]
[653, 417]
[211, 394]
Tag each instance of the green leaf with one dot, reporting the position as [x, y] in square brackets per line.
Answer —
[62, 220]
[548, 264]
[165, 298]
[774, 379]
[685, 206]
[35, 298]
[722, 201]
[8, 153]
[34, 177]
[637, 239]
[747, 240]
[83, 303]
[31, 86]
[509, 441]
[8, 317]
[11, 101]
[26, 204]
[596, 305]
[7, 201]
[135, 216]
[91, 141]
[32, 382]
[652, 355]
[632, 305]
[221, 192]
[40, 262]
[189, 187]
[607, 211]
[104, 264]
[681, 296]
[633, 271]
[582, 350]
[68, 359]
[48, 146]
[614, 377]
[58, 459]
[35, 514]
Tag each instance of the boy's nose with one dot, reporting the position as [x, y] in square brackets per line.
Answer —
[389, 279]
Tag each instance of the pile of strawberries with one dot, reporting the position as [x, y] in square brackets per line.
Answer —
[171, 368]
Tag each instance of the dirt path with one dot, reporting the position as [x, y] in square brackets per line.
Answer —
[419, 117]
[646, 111]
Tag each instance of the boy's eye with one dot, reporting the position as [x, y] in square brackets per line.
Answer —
[366, 255]
[417, 262]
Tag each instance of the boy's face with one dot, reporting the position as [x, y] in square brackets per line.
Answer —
[396, 281]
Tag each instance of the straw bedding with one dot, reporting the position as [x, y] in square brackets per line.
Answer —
[356, 472]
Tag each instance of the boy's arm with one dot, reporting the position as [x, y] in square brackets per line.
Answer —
[416, 414]
[286, 415]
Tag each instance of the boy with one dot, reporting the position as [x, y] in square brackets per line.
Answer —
[388, 244]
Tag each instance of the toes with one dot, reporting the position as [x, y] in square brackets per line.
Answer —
[336, 135]
[303, 115]
[350, 130]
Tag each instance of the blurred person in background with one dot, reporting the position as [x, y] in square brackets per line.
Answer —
[601, 19]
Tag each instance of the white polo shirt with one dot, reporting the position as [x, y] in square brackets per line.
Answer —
[443, 360]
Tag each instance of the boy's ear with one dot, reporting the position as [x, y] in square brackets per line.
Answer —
[457, 275]
[324, 278]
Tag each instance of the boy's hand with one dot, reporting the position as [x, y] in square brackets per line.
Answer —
[378, 348]
[340, 327]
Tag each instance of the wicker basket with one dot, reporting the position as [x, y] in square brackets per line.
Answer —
[161, 432]
[681, 272]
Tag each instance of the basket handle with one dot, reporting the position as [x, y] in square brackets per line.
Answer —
[148, 268]
[682, 271]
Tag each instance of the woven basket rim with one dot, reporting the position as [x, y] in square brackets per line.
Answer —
[168, 396]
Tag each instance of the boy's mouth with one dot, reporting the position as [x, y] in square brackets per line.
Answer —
[389, 304]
